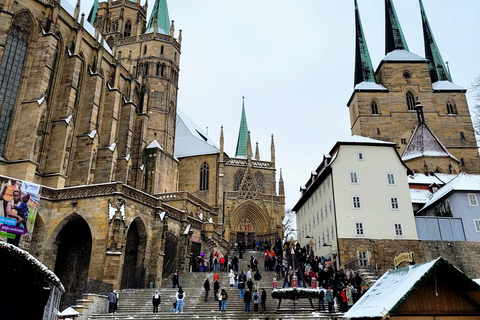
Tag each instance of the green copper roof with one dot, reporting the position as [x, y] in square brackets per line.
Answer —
[394, 38]
[363, 63]
[93, 13]
[242, 142]
[160, 14]
[438, 72]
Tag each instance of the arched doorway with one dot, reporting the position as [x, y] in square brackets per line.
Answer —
[72, 264]
[170, 258]
[133, 274]
[246, 233]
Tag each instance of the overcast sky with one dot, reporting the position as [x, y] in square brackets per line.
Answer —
[294, 63]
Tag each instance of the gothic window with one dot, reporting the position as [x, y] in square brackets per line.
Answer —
[115, 25]
[145, 69]
[451, 108]
[259, 178]
[410, 101]
[374, 107]
[162, 70]
[238, 180]
[128, 29]
[204, 177]
[11, 67]
[158, 69]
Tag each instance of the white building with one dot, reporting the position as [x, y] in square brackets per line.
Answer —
[359, 191]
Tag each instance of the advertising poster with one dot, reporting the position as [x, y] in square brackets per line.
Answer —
[19, 204]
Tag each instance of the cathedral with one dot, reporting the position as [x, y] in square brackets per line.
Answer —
[131, 189]
[412, 101]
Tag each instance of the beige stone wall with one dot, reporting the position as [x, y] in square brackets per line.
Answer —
[394, 122]
[463, 254]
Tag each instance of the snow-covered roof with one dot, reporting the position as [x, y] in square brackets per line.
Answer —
[69, 312]
[462, 182]
[396, 286]
[424, 143]
[369, 86]
[190, 140]
[360, 139]
[403, 55]
[446, 86]
[154, 145]
[438, 178]
[419, 195]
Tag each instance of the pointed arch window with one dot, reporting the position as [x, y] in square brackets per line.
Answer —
[410, 101]
[11, 71]
[204, 173]
[238, 180]
[259, 178]
[451, 108]
[374, 107]
[128, 29]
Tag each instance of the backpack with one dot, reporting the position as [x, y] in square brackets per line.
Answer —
[255, 261]
[255, 296]
[180, 295]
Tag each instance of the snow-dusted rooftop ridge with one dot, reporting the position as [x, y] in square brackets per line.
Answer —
[190, 140]
[424, 143]
[360, 139]
[462, 182]
[403, 55]
[419, 195]
[367, 86]
[154, 145]
[446, 86]
[438, 178]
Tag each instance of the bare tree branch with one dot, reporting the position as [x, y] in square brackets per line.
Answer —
[289, 225]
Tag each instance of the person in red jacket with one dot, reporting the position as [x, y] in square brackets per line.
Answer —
[222, 263]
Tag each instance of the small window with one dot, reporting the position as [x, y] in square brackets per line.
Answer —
[128, 29]
[394, 203]
[161, 50]
[378, 130]
[333, 237]
[362, 258]
[359, 229]
[390, 178]
[472, 200]
[451, 108]
[477, 224]
[355, 203]
[328, 235]
[410, 101]
[360, 156]
[374, 107]
[145, 50]
[398, 229]
[403, 141]
[321, 213]
[330, 205]
[326, 212]
[353, 178]
[462, 136]
[462, 162]
[318, 218]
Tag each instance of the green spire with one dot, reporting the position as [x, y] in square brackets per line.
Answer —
[242, 142]
[159, 14]
[394, 39]
[93, 13]
[438, 72]
[363, 63]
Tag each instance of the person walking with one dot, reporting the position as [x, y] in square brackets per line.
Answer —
[242, 278]
[263, 301]
[231, 275]
[349, 298]
[156, 301]
[175, 280]
[330, 299]
[112, 298]
[256, 301]
[206, 286]
[180, 295]
[257, 278]
[321, 297]
[224, 296]
[247, 298]
[216, 287]
[250, 285]
[216, 277]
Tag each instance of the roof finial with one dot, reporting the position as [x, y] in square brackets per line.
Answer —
[419, 108]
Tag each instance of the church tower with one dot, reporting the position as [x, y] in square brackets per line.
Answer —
[152, 53]
[383, 103]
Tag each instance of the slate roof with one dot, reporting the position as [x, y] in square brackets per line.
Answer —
[462, 182]
[424, 143]
[396, 286]
[190, 139]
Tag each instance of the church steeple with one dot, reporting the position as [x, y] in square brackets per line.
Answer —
[93, 13]
[394, 39]
[438, 72]
[363, 63]
[160, 17]
[242, 142]
[281, 186]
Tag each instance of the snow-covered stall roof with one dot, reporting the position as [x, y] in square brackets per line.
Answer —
[462, 182]
[396, 286]
[419, 195]
[190, 140]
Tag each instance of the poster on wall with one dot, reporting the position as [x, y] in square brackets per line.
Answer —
[18, 210]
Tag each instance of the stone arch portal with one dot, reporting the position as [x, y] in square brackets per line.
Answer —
[133, 273]
[250, 223]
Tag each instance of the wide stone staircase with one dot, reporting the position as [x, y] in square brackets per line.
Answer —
[137, 303]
